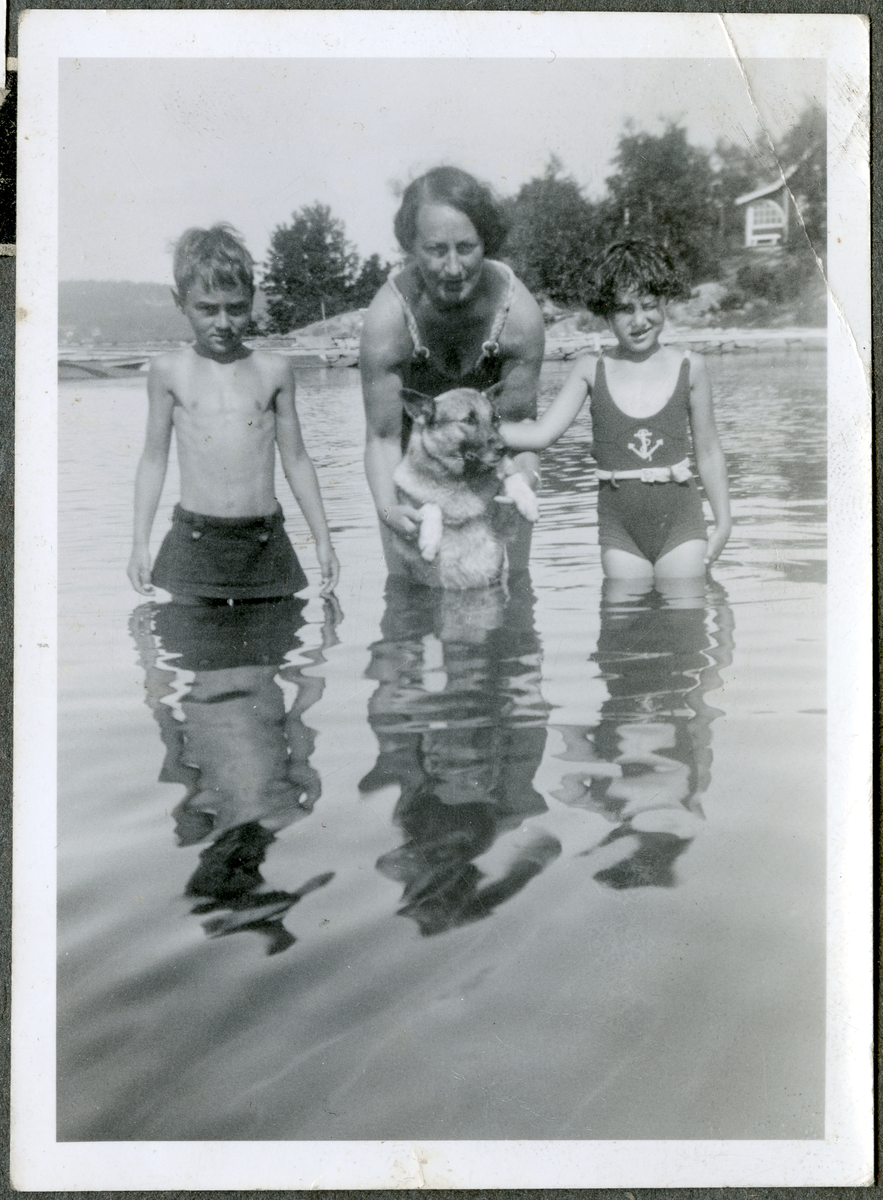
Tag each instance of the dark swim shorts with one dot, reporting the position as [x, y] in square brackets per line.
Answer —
[228, 558]
[649, 519]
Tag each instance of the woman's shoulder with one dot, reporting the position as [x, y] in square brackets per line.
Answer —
[524, 320]
[385, 327]
[510, 285]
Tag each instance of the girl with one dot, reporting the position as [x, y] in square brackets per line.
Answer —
[644, 398]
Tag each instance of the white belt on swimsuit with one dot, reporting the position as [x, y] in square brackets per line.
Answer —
[679, 473]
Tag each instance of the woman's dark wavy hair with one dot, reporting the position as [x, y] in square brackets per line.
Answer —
[456, 189]
[634, 265]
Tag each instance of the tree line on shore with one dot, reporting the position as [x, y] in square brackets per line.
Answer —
[661, 187]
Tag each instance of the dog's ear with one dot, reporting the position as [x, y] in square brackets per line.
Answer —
[493, 394]
[417, 406]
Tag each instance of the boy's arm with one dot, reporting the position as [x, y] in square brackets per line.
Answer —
[151, 474]
[561, 413]
[301, 475]
[710, 459]
[379, 361]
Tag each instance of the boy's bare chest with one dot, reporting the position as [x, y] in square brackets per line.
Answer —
[236, 393]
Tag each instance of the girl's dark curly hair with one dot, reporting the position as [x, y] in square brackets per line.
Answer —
[633, 265]
[456, 189]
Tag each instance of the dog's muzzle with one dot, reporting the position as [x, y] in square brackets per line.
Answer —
[488, 455]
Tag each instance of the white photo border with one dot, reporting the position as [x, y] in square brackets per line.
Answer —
[845, 1156]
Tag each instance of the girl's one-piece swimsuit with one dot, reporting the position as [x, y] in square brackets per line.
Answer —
[423, 374]
[646, 519]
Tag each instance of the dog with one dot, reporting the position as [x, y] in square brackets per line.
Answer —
[453, 472]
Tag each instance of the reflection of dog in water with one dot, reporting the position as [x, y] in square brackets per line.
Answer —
[444, 888]
[453, 471]
[463, 754]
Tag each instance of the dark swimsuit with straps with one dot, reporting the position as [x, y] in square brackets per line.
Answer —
[646, 519]
[423, 374]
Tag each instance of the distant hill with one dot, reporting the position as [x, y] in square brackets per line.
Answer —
[111, 311]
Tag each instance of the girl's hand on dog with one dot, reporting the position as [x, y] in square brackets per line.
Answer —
[401, 518]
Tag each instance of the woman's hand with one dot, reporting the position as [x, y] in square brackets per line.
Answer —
[402, 519]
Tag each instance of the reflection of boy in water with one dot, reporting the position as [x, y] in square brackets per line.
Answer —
[244, 759]
[463, 753]
[647, 763]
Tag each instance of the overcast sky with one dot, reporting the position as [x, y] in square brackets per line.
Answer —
[148, 147]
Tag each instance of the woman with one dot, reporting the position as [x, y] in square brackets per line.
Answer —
[453, 317]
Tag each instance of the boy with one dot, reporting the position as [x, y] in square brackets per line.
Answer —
[230, 407]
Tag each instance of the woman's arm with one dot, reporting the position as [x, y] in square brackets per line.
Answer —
[384, 342]
[301, 475]
[561, 413]
[151, 473]
[521, 350]
[710, 459]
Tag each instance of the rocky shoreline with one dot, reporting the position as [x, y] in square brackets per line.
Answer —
[115, 361]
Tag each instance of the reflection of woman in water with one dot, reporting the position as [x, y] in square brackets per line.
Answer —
[647, 764]
[461, 726]
[243, 758]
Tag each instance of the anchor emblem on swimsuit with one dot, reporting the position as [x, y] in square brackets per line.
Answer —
[644, 449]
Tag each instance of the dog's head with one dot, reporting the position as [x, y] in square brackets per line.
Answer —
[458, 429]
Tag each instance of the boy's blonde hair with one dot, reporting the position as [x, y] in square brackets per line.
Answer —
[217, 257]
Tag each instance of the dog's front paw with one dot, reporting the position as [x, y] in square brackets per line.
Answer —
[429, 539]
[522, 495]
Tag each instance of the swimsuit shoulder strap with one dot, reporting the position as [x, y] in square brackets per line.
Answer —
[420, 351]
[491, 347]
[684, 374]
[600, 388]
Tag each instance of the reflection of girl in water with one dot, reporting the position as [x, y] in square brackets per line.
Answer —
[243, 757]
[461, 726]
[647, 764]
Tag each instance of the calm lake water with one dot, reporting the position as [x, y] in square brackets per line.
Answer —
[545, 862]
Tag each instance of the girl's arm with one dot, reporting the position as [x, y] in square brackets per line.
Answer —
[561, 413]
[301, 476]
[709, 456]
[151, 474]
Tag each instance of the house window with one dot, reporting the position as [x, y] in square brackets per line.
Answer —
[766, 224]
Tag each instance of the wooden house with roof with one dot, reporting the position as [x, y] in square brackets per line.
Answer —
[768, 212]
